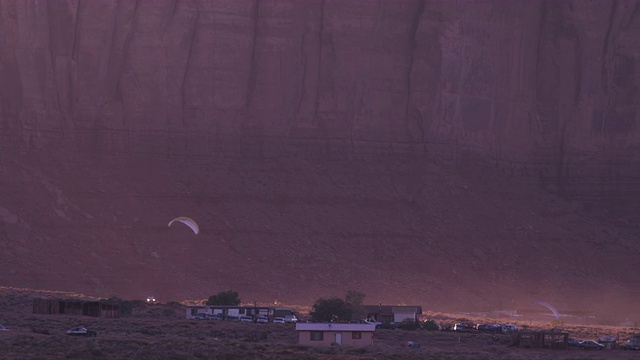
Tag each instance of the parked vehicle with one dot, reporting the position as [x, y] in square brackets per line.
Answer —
[291, 319]
[488, 328]
[200, 316]
[431, 325]
[278, 320]
[246, 319]
[262, 319]
[631, 344]
[372, 321]
[464, 328]
[573, 342]
[81, 331]
[590, 345]
[2, 328]
[216, 317]
[508, 328]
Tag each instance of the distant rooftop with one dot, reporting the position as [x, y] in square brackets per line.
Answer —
[334, 326]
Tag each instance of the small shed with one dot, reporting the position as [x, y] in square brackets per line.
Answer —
[333, 333]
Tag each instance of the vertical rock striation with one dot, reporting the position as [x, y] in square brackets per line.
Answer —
[544, 89]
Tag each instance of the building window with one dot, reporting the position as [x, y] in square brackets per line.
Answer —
[356, 335]
[317, 336]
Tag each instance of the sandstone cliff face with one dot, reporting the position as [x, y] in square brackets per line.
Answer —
[319, 127]
[548, 88]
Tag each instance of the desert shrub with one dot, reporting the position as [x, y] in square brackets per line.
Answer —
[149, 331]
[217, 333]
[252, 337]
[75, 354]
[357, 350]
[169, 312]
[40, 331]
[430, 325]
[138, 303]
[326, 350]
[23, 341]
[260, 347]
[409, 324]
[126, 308]
[256, 336]
[172, 355]
[301, 347]
[96, 352]
[203, 354]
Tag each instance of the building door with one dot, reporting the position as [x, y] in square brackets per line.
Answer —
[339, 338]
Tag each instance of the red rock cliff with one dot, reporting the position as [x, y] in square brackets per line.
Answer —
[545, 90]
[552, 85]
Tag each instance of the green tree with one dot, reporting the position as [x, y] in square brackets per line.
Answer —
[355, 299]
[409, 324]
[331, 309]
[229, 297]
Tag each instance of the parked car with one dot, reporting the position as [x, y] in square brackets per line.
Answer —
[262, 319]
[2, 328]
[573, 342]
[488, 328]
[278, 320]
[372, 321]
[508, 328]
[216, 317]
[631, 344]
[81, 331]
[246, 319]
[291, 319]
[460, 327]
[590, 344]
[200, 316]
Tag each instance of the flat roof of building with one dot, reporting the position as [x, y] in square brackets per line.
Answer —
[334, 327]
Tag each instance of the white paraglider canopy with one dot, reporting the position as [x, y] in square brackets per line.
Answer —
[187, 221]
